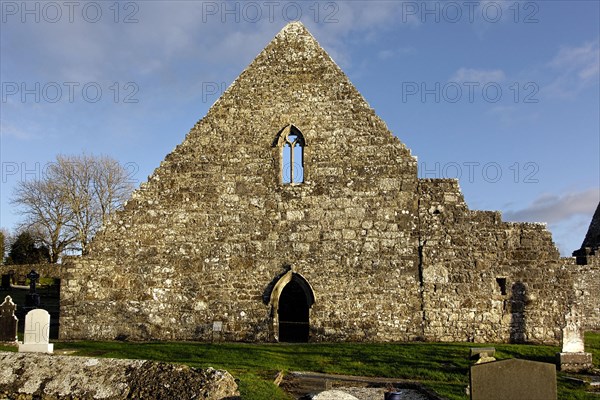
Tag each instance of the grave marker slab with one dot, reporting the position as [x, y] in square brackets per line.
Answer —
[573, 357]
[37, 330]
[513, 379]
[8, 321]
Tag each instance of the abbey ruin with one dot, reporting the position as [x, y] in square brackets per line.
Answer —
[291, 213]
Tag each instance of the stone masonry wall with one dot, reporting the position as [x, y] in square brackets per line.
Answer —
[486, 280]
[203, 239]
[587, 287]
[207, 242]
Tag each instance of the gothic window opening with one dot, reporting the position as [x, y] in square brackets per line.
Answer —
[292, 156]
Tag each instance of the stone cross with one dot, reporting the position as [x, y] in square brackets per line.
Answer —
[8, 321]
[572, 340]
[37, 331]
[33, 278]
[32, 299]
[573, 357]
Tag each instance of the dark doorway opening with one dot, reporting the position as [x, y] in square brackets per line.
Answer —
[293, 313]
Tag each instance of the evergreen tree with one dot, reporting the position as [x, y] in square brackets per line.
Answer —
[25, 250]
[2, 246]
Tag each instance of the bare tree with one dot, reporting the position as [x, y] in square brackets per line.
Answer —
[94, 187]
[67, 205]
[73, 174]
[111, 186]
[47, 215]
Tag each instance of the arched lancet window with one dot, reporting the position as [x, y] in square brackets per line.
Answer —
[292, 155]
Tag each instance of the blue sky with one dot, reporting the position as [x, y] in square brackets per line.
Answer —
[503, 95]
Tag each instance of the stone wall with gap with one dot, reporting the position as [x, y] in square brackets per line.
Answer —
[486, 280]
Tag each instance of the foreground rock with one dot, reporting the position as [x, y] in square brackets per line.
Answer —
[37, 376]
[334, 395]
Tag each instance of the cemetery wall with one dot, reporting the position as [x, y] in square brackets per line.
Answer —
[21, 271]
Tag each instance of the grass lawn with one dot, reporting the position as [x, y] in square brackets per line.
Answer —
[443, 367]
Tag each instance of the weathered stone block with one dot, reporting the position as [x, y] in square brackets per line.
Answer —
[36, 376]
[574, 362]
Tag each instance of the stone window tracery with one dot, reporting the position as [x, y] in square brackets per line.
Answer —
[292, 156]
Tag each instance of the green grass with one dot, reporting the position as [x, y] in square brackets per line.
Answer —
[443, 367]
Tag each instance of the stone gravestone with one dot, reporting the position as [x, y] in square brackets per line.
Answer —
[8, 321]
[573, 357]
[217, 330]
[37, 330]
[513, 379]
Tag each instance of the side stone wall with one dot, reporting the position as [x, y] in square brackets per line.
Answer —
[486, 280]
[587, 287]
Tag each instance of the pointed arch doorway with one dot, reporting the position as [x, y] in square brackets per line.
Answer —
[293, 314]
[291, 300]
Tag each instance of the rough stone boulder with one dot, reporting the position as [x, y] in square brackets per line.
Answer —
[334, 395]
[41, 376]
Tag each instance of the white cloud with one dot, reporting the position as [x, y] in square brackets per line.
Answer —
[393, 53]
[511, 115]
[480, 76]
[576, 69]
[568, 216]
[568, 235]
[552, 208]
[11, 131]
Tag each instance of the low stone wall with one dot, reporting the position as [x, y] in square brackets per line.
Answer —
[21, 271]
[37, 376]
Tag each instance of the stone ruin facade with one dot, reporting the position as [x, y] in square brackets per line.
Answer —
[291, 213]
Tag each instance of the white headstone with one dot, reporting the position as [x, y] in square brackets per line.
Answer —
[572, 334]
[37, 331]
